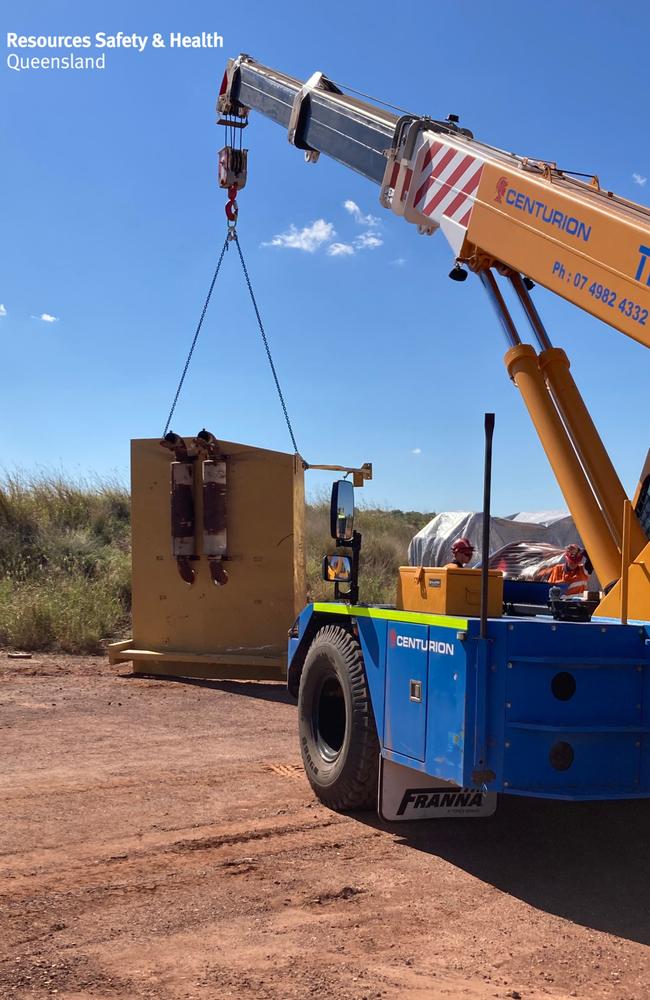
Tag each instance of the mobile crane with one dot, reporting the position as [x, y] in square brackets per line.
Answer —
[425, 703]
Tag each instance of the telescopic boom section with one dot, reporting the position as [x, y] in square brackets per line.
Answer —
[316, 115]
[495, 208]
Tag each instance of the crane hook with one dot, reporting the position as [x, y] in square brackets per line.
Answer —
[232, 209]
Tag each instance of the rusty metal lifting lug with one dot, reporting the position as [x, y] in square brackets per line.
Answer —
[206, 443]
[187, 572]
[217, 572]
[176, 444]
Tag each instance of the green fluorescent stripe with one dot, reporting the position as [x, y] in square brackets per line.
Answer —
[444, 621]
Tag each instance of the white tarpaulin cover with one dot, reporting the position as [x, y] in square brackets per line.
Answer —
[522, 545]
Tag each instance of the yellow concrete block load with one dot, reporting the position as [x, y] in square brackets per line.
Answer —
[448, 590]
[218, 558]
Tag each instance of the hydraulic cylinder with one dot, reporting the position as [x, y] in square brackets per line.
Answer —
[523, 368]
[606, 485]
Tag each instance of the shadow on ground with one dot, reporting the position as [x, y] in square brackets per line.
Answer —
[588, 862]
[275, 691]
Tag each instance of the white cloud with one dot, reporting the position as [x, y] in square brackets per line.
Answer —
[416, 451]
[363, 220]
[321, 233]
[340, 250]
[47, 318]
[638, 179]
[368, 241]
[309, 238]
[3, 311]
[399, 261]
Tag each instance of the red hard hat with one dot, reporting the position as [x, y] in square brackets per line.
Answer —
[463, 545]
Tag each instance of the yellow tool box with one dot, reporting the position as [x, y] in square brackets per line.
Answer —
[448, 590]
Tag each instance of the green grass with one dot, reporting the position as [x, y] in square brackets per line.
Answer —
[65, 562]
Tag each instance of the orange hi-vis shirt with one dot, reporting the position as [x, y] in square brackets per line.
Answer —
[575, 580]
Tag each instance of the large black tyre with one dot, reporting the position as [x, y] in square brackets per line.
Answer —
[336, 726]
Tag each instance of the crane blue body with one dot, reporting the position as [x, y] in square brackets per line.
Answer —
[541, 708]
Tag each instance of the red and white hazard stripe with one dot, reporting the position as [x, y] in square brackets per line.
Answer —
[447, 183]
[400, 181]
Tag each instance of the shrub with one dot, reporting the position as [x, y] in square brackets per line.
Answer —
[64, 562]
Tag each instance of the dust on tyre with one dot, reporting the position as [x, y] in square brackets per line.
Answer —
[338, 738]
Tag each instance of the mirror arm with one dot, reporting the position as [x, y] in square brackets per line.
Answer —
[359, 475]
[351, 595]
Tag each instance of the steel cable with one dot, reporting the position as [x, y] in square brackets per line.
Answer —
[232, 235]
[196, 335]
[265, 341]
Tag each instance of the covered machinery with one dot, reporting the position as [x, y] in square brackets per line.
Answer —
[432, 545]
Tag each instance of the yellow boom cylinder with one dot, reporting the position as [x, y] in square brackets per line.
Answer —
[625, 560]
[592, 453]
[522, 364]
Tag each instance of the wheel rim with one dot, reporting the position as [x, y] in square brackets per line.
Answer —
[329, 718]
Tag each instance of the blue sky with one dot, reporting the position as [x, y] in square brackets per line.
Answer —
[112, 221]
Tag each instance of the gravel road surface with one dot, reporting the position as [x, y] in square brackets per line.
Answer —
[158, 839]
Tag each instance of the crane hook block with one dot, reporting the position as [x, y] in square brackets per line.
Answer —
[233, 166]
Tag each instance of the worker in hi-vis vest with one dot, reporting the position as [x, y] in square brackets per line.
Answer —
[573, 572]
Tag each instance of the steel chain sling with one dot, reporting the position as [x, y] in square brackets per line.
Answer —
[232, 235]
[196, 335]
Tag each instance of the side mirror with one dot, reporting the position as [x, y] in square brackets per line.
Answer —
[342, 511]
[337, 569]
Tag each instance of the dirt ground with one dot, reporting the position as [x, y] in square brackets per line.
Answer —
[159, 839]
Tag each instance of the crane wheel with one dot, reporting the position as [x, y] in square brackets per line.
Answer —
[336, 725]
